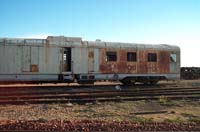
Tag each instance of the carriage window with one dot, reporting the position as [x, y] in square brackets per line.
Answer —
[131, 56]
[111, 56]
[152, 57]
[173, 57]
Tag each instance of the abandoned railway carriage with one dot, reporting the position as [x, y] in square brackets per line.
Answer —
[67, 59]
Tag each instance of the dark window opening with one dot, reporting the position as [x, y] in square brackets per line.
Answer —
[152, 57]
[131, 56]
[111, 56]
[67, 59]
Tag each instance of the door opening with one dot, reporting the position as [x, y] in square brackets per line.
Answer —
[67, 60]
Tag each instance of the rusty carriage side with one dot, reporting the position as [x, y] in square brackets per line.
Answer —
[129, 63]
[69, 59]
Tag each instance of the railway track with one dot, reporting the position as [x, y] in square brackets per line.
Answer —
[90, 94]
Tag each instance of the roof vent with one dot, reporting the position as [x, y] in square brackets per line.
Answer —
[98, 40]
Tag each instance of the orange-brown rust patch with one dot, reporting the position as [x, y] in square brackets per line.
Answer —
[91, 54]
[142, 62]
[34, 68]
[141, 66]
[163, 61]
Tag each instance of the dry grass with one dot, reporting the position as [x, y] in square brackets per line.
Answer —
[182, 110]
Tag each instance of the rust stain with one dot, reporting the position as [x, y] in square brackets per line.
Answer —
[34, 68]
[152, 67]
[163, 61]
[91, 54]
[141, 66]
[142, 62]
[64, 67]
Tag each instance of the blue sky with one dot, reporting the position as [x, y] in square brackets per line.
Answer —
[141, 21]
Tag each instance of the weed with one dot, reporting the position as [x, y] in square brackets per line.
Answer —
[191, 118]
[103, 114]
[174, 120]
[189, 115]
[42, 120]
[142, 119]
[196, 120]
[84, 111]
[163, 99]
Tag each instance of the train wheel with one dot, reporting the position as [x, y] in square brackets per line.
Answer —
[128, 82]
[153, 82]
[86, 82]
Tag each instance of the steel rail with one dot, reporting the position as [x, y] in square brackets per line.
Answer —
[71, 91]
[110, 94]
[46, 96]
[85, 100]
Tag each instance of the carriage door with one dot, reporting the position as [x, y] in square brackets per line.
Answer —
[66, 60]
[93, 61]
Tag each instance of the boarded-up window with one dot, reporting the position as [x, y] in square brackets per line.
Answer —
[131, 56]
[111, 56]
[152, 57]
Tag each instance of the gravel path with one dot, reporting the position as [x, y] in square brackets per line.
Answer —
[86, 125]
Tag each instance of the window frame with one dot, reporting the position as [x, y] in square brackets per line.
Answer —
[131, 56]
[173, 57]
[152, 57]
[111, 56]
